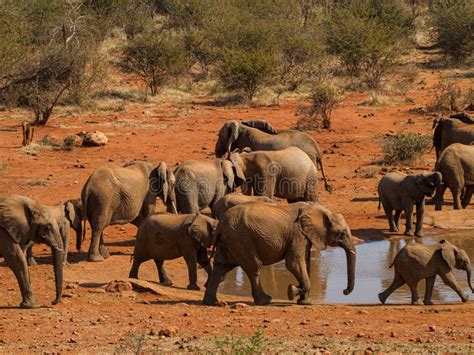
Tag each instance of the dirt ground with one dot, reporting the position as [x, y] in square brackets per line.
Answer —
[91, 319]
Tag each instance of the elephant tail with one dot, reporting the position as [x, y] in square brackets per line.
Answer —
[84, 198]
[437, 135]
[217, 237]
[380, 203]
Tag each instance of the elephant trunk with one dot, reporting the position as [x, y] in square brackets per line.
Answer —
[58, 258]
[79, 237]
[468, 272]
[351, 262]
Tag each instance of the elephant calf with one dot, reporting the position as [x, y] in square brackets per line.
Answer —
[167, 236]
[417, 261]
[399, 192]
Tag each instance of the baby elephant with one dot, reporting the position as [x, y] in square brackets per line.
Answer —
[399, 192]
[417, 261]
[168, 236]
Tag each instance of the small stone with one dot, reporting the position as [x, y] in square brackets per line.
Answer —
[71, 285]
[362, 311]
[51, 140]
[432, 328]
[93, 139]
[360, 335]
[72, 341]
[168, 332]
[304, 322]
[239, 305]
[72, 140]
[118, 286]
[393, 334]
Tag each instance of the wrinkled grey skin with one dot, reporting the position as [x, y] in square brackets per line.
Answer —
[415, 262]
[260, 135]
[287, 173]
[400, 192]
[120, 195]
[458, 128]
[23, 222]
[200, 184]
[68, 215]
[256, 234]
[234, 199]
[456, 164]
[168, 236]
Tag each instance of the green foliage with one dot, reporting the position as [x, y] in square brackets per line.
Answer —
[154, 58]
[453, 27]
[405, 148]
[367, 36]
[230, 344]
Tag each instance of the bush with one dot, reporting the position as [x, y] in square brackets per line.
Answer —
[245, 71]
[453, 27]
[405, 148]
[154, 58]
[324, 97]
[367, 36]
[447, 97]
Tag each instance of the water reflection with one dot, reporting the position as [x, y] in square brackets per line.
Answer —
[373, 275]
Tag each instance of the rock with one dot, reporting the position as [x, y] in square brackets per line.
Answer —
[304, 322]
[432, 328]
[118, 286]
[51, 140]
[72, 140]
[93, 139]
[239, 305]
[363, 311]
[168, 332]
[71, 285]
[72, 341]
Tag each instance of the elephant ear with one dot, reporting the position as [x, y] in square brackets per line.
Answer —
[261, 125]
[15, 217]
[448, 251]
[70, 212]
[198, 230]
[227, 136]
[240, 177]
[309, 222]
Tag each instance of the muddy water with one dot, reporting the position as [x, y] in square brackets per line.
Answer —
[373, 275]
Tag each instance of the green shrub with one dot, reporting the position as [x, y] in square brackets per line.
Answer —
[453, 27]
[405, 148]
[154, 58]
[367, 37]
[245, 71]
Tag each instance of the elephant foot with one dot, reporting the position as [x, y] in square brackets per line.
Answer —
[292, 292]
[95, 257]
[430, 201]
[409, 233]
[166, 283]
[382, 298]
[417, 303]
[29, 304]
[304, 302]
[428, 303]
[262, 300]
[465, 298]
[56, 301]
[210, 301]
[103, 251]
[438, 208]
[31, 262]
[194, 287]
[419, 234]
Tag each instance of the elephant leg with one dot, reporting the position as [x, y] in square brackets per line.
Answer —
[408, 217]
[389, 213]
[439, 196]
[430, 281]
[397, 282]
[415, 299]
[396, 219]
[252, 268]
[203, 261]
[297, 267]
[94, 253]
[137, 261]
[449, 280]
[420, 211]
[16, 261]
[191, 262]
[220, 269]
[102, 249]
[466, 199]
[29, 257]
[456, 192]
[162, 275]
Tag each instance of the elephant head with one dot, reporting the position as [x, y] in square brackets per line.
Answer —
[162, 183]
[28, 222]
[228, 134]
[201, 228]
[456, 258]
[427, 183]
[233, 174]
[74, 214]
[323, 227]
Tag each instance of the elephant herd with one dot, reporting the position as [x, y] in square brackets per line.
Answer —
[248, 229]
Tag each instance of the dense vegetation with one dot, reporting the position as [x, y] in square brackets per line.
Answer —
[52, 51]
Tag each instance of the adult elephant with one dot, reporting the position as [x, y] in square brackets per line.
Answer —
[200, 184]
[260, 135]
[456, 164]
[120, 195]
[400, 192]
[23, 222]
[287, 173]
[257, 234]
[234, 199]
[457, 128]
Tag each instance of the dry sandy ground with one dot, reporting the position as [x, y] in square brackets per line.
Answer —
[91, 319]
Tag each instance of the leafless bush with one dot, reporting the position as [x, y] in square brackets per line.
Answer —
[447, 97]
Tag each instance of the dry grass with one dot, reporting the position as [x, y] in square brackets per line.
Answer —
[38, 182]
[3, 168]
[405, 148]
[379, 98]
